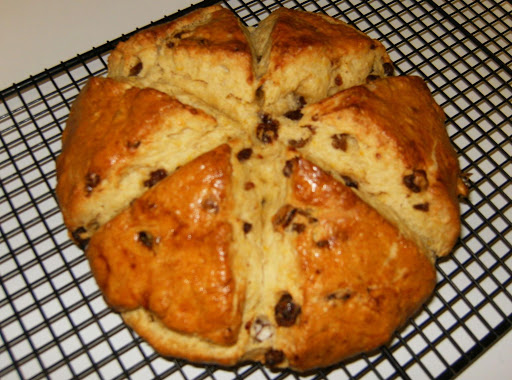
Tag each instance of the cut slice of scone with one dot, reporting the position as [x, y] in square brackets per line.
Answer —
[169, 262]
[360, 277]
[205, 54]
[304, 57]
[387, 141]
[119, 141]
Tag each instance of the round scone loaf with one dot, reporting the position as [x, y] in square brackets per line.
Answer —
[265, 194]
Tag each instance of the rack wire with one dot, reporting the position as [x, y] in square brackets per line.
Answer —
[53, 320]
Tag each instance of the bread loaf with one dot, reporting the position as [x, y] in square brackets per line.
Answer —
[265, 194]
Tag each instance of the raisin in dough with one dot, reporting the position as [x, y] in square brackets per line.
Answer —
[265, 194]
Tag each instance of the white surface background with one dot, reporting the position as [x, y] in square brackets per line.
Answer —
[36, 35]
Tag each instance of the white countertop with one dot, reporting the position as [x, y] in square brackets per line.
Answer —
[39, 34]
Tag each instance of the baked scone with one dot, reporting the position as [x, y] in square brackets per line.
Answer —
[289, 212]
[119, 140]
[205, 54]
[307, 58]
[387, 141]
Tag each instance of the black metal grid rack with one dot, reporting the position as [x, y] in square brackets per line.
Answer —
[53, 320]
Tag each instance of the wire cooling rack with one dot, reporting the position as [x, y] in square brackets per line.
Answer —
[53, 320]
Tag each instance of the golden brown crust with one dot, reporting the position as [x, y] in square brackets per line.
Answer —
[312, 56]
[259, 195]
[295, 32]
[169, 343]
[208, 32]
[361, 277]
[193, 31]
[401, 159]
[170, 252]
[204, 54]
[112, 125]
